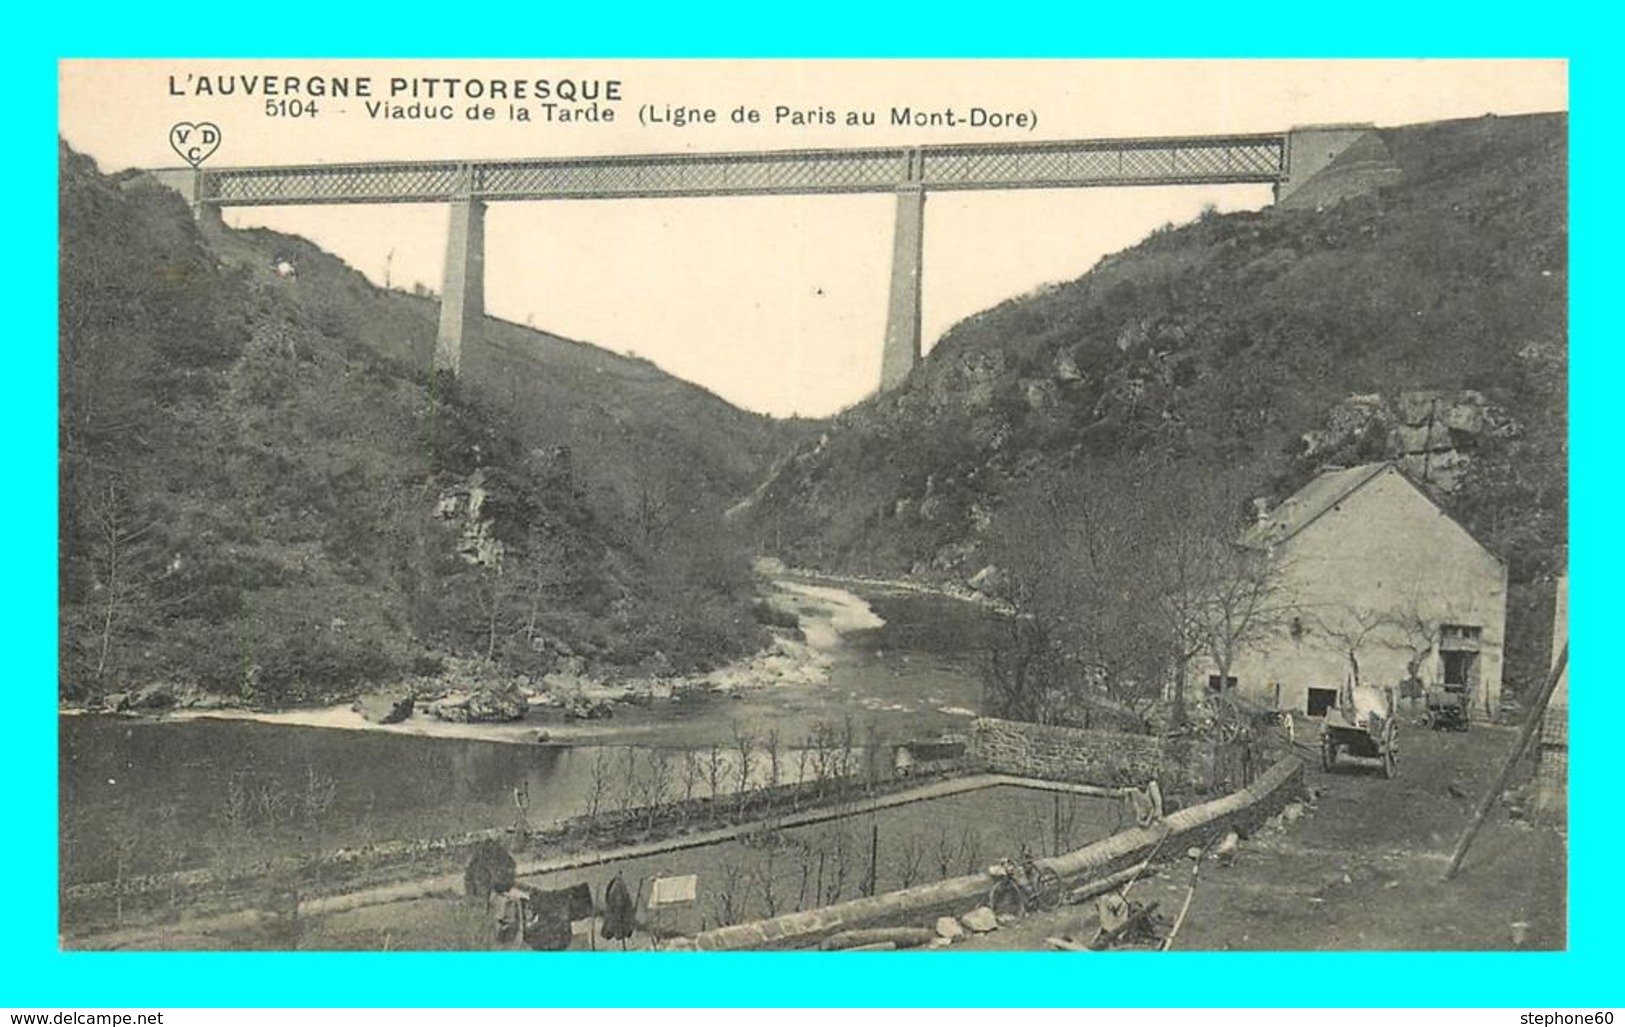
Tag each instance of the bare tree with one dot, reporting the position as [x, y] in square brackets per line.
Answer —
[910, 859]
[314, 800]
[691, 773]
[970, 849]
[763, 874]
[944, 852]
[840, 851]
[1353, 629]
[805, 854]
[598, 785]
[1120, 576]
[744, 749]
[126, 563]
[493, 594]
[271, 802]
[773, 769]
[729, 901]
[1243, 600]
[1078, 556]
[1419, 626]
[546, 576]
[656, 784]
[848, 759]
[873, 746]
[657, 504]
[713, 775]
[629, 779]
[822, 745]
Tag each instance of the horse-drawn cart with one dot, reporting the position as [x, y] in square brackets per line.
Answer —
[1447, 709]
[1362, 725]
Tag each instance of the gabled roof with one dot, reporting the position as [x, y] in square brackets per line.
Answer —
[1306, 505]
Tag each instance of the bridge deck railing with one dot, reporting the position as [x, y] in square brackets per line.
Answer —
[1054, 164]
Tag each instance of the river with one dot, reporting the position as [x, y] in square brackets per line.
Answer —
[150, 795]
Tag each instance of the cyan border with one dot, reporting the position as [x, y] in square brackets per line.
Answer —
[34, 973]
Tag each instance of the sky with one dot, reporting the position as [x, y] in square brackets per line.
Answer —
[777, 304]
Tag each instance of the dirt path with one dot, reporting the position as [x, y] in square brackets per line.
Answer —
[1362, 868]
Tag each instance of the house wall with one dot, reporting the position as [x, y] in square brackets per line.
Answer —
[1384, 549]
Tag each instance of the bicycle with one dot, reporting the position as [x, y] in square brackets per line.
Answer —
[1023, 886]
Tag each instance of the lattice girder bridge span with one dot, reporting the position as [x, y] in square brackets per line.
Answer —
[909, 172]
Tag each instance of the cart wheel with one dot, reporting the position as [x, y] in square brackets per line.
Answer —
[1006, 899]
[1047, 891]
[1328, 754]
[1388, 769]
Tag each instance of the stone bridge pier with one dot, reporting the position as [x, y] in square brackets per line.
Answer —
[902, 346]
[462, 294]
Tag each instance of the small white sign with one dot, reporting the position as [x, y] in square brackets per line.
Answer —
[673, 891]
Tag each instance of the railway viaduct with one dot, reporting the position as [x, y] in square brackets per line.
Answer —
[1286, 160]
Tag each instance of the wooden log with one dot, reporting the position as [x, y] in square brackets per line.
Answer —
[897, 937]
[1196, 869]
[1089, 889]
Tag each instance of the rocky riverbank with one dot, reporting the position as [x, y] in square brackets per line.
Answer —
[569, 707]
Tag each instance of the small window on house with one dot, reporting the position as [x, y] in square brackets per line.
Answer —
[1213, 683]
[1458, 651]
[1320, 700]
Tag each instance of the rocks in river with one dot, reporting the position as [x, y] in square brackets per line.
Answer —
[383, 707]
[156, 696]
[149, 698]
[484, 705]
[949, 928]
[581, 708]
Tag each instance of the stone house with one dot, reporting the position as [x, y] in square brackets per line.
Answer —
[1370, 577]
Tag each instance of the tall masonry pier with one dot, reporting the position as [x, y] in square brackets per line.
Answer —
[902, 347]
[908, 173]
[462, 297]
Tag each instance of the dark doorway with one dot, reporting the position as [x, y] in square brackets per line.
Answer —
[1459, 668]
[1321, 700]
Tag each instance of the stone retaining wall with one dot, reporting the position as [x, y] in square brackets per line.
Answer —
[1105, 758]
[1241, 811]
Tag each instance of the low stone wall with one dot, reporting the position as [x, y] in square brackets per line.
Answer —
[1241, 811]
[1105, 758]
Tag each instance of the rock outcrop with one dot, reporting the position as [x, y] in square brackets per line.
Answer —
[1430, 433]
[486, 705]
[383, 707]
